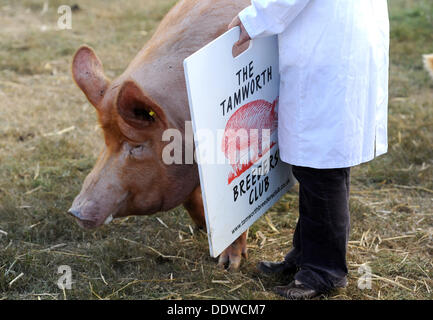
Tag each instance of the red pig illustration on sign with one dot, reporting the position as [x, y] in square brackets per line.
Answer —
[245, 132]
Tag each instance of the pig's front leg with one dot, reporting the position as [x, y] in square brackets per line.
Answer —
[194, 206]
[234, 253]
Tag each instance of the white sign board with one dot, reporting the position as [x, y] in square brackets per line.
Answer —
[234, 111]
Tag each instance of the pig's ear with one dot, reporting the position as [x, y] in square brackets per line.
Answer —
[138, 110]
[89, 75]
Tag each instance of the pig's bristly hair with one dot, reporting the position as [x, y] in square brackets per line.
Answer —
[428, 62]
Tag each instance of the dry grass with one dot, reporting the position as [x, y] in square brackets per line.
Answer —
[49, 140]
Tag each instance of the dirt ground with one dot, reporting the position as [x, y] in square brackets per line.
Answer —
[49, 141]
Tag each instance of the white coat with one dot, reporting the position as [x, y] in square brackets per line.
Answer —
[334, 61]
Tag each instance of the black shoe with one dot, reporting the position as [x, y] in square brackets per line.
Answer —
[341, 283]
[284, 267]
[296, 291]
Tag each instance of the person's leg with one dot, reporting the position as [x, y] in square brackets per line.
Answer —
[323, 228]
[294, 255]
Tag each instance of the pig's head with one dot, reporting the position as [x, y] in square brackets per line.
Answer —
[130, 176]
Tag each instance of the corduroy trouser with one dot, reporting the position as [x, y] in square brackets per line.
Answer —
[322, 233]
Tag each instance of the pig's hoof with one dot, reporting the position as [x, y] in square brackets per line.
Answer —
[231, 258]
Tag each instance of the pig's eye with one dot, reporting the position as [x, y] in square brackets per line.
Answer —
[137, 152]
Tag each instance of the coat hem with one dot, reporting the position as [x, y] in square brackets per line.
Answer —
[336, 165]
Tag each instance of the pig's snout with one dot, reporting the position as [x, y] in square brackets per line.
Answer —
[83, 222]
[75, 213]
[88, 215]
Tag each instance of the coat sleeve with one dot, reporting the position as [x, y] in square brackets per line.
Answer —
[269, 17]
